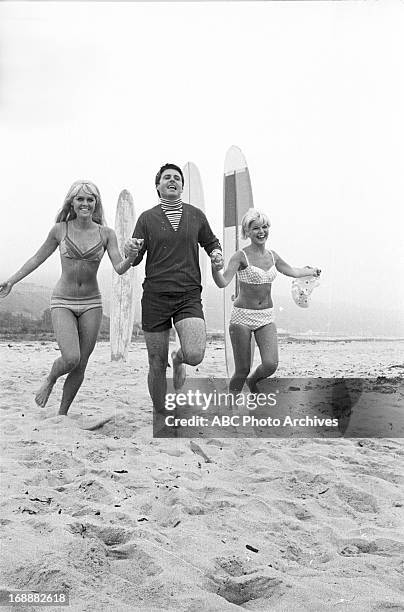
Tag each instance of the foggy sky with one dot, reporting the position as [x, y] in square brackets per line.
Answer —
[311, 92]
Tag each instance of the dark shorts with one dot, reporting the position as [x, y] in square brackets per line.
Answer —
[159, 308]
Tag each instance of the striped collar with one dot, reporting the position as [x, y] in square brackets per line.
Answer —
[170, 203]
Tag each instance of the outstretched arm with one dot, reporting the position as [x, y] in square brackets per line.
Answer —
[42, 254]
[222, 279]
[120, 265]
[288, 270]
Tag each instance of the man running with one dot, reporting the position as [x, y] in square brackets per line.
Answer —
[171, 233]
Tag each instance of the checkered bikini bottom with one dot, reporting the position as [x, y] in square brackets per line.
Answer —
[253, 319]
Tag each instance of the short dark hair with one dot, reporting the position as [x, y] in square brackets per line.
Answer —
[163, 169]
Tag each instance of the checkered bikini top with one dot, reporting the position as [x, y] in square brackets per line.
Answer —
[253, 275]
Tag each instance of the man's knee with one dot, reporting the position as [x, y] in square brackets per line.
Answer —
[270, 366]
[242, 372]
[193, 356]
[158, 363]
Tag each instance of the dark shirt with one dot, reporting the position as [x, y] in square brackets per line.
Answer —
[172, 262]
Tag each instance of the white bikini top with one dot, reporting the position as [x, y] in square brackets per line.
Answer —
[253, 275]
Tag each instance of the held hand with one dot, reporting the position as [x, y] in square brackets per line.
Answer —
[217, 260]
[5, 289]
[132, 247]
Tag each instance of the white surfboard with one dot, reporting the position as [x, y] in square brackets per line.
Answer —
[237, 199]
[193, 194]
[122, 294]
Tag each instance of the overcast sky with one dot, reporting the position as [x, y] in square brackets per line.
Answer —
[311, 92]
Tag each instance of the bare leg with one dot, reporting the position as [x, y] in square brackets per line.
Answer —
[65, 327]
[192, 335]
[240, 336]
[157, 350]
[88, 326]
[267, 340]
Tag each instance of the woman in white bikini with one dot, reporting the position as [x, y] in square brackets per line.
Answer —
[256, 269]
[76, 307]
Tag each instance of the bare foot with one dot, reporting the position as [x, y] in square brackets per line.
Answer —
[179, 372]
[252, 386]
[44, 392]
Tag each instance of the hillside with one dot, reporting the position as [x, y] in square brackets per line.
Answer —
[28, 299]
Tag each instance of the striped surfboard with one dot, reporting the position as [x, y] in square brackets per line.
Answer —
[237, 199]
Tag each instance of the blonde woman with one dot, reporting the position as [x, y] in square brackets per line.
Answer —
[76, 308]
[256, 268]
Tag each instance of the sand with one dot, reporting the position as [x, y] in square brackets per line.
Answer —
[124, 522]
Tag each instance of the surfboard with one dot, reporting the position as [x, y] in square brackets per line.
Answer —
[193, 194]
[237, 199]
[122, 298]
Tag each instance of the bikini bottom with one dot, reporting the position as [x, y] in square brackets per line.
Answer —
[78, 305]
[251, 318]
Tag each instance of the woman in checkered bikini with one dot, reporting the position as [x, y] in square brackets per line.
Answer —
[256, 268]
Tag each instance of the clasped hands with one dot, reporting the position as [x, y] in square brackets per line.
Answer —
[132, 247]
[217, 260]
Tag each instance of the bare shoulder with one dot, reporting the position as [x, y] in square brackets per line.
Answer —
[275, 256]
[239, 258]
[239, 255]
[107, 232]
[58, 231]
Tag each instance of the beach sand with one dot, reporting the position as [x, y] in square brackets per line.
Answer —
[124, 522]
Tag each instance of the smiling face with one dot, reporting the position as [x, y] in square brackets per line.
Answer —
[84, 203]
[258, 232]
[170, 185]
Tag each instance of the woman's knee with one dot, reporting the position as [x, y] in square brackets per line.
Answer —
[71, 361]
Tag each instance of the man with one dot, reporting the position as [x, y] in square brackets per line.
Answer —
[171, 233]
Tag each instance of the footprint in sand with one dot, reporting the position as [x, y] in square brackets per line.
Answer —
[293, 509]
[120, 426]
[98, 455]
[111, 535]
[240, 582]
[50, 460]
[94, 491]
[304, 484]
[357, 499]
[134, 564]
[382, 547]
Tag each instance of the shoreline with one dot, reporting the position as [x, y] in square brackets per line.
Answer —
[211, 337]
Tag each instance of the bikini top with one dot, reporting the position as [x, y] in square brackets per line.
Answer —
[70, 250]
[253, 275]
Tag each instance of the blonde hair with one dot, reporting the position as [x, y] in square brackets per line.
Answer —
[251, 215]
[67, 213]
